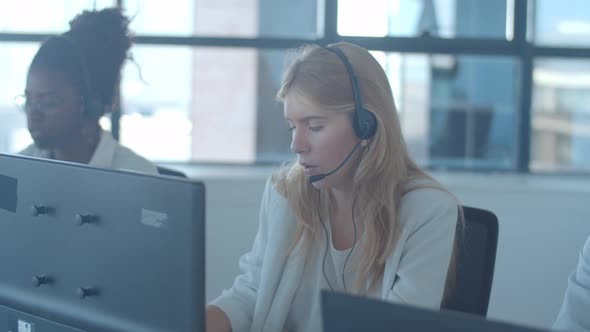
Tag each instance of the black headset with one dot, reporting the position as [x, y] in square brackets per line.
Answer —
[364, 122]
[93, 105]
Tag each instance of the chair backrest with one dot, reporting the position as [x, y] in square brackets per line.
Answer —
[475, 262]
[170, 172]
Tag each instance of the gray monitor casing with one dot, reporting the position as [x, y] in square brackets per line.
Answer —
[346, 313]
[144, 253]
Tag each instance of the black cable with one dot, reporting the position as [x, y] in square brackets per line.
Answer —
[318, 177]
[353, 244]
[327, 244]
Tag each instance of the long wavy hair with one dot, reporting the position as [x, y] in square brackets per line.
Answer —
[385, 169]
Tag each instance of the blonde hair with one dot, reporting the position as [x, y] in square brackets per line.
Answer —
[319, 77]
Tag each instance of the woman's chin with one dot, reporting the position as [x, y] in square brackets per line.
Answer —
[41, 141]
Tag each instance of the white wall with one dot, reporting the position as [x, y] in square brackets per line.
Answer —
[543, 224]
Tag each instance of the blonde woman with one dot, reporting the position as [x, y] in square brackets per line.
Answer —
[354, 214]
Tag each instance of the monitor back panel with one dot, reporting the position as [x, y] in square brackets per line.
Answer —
[90, 249]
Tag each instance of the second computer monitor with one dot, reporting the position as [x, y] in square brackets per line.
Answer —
[346, 313]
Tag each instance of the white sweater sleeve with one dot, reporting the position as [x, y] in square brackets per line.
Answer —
[575, 310]
[239, 301]
[429, 219]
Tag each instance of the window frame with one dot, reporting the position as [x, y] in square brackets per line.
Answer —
[520, 47]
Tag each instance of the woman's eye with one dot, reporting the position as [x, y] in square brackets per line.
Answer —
[315, 128]
[291, 129]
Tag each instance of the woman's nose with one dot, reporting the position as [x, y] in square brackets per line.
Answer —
[299, 143]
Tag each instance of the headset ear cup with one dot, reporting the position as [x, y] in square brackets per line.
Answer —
[365, 125]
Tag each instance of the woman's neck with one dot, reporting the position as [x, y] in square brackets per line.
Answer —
[79, 149]
[341, 200]
[345, 230]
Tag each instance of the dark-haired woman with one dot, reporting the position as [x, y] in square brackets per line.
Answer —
[72, 81]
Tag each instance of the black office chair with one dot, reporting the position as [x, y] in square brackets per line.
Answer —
[475, 262]
[170, 172]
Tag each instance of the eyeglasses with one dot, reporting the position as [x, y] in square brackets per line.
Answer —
[46, 103]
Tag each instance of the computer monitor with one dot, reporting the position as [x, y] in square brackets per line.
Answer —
[88, 249]
[344, 313]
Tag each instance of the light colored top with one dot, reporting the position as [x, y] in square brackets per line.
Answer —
[575, 310]
[108, 154]
[281, 292]
[340, 276]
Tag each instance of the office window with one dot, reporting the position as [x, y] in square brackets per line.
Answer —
[203, 104]
[217, 105]
[437, 18]
[225, 18]
[452, 111]
[221, 107]
[210, 97]
[156, 101]
[46, 16]
[14, 62]
[561, 115]
[559, 23]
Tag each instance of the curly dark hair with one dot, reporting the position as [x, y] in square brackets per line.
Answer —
[91, 54]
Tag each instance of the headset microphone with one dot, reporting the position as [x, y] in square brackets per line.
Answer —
[318, 177]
